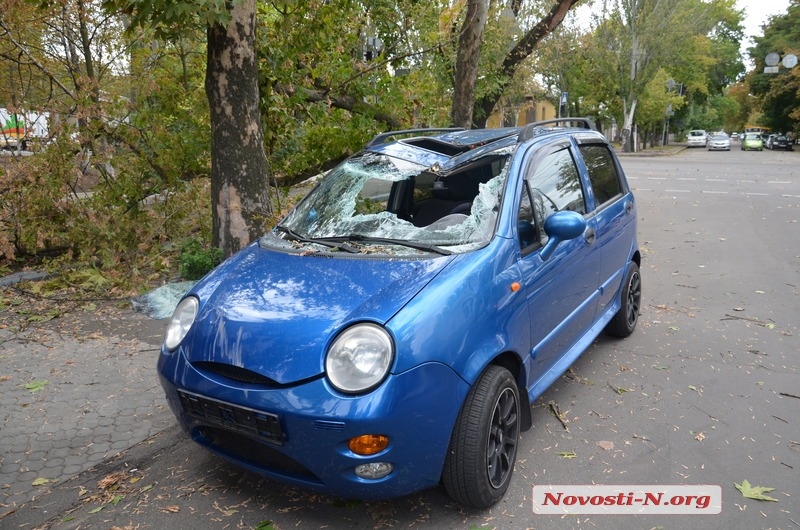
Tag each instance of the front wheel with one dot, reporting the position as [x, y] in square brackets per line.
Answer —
[483, 448]
[624, 322]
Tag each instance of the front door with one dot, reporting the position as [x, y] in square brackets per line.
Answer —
[562, 291]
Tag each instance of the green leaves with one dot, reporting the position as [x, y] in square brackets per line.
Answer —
[754, 492]
[35, 386]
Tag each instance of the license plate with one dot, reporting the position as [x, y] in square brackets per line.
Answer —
[250, 422]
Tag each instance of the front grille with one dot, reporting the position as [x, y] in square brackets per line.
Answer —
[250, 422]
[235, 373]
[252, 452]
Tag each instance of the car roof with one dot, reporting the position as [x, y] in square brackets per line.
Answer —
[448, 148]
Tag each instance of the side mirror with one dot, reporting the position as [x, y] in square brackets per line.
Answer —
[561, 226]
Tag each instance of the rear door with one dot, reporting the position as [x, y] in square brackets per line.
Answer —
[613, 212]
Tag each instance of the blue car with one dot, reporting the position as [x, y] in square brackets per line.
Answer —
[393, 331]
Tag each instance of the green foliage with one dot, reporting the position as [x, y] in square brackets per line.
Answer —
[172, 18]
[778, 94]
[623, 58]
[656, 98]
[90, 211]
[312, 52]
[196, 259]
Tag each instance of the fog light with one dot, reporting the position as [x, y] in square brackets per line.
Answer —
[374, 471]
[368, 444]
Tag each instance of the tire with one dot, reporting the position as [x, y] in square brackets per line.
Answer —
[483, 447]
[624, 322]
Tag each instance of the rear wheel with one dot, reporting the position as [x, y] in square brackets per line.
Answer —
[624, 322]
[483, 448]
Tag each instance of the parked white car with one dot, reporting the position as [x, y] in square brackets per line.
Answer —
[696, 138]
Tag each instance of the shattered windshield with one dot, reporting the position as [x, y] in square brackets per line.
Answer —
[380, 203]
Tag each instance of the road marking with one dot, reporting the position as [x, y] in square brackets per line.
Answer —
[656, 178]
[791, 196]
[760, 194]
[715, 192]
[678, 191]
[686, 178]
[778, 182]
[716, 180]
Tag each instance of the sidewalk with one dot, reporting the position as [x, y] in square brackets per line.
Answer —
[74, 391]
[669, 150]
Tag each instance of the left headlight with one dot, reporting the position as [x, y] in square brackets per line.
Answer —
[182, 319]
[359, 358]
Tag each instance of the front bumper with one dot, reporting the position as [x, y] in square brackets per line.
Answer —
[299, 435]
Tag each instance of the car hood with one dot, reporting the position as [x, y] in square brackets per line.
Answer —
[275, 313]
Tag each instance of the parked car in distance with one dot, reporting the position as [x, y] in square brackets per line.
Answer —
[697, 138]
[735, 137]
[719, 142]
[780, 141]
[752, 142]
[392, 331]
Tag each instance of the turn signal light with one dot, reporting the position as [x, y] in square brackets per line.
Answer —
[368, 444]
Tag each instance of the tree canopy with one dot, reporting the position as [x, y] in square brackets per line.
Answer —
[133, 87]
[778, 93]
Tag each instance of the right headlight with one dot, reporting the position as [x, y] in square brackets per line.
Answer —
[182, 319]
[359, 358]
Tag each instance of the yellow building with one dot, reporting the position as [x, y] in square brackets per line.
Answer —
[529, 111]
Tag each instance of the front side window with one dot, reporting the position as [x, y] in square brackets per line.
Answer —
[554, 182]
[526, 221]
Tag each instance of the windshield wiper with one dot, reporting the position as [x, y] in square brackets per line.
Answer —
[388, 241]
[325, 242]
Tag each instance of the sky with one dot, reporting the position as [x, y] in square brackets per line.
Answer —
[757, 12]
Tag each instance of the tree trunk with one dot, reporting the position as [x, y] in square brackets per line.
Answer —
[467, 58]
[239, 170]
[627, 129]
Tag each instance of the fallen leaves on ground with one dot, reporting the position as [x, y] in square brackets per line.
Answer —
[35, 386]
[754, 492]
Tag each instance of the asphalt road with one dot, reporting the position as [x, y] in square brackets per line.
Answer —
[704, 392]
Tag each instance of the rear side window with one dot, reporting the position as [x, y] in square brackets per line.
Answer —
[603, 173]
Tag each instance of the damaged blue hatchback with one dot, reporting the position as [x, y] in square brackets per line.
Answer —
[392, 332]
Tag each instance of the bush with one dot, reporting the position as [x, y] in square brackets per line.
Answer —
[196, 260]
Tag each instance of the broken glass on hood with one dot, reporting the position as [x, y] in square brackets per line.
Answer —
[380, 203]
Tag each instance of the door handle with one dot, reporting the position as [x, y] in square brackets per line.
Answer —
[589, 235]
[628, 207]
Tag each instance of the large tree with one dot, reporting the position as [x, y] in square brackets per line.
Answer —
[646, 35]
[239, 169]
[778, 93]
[467, 55]
[518, 53]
